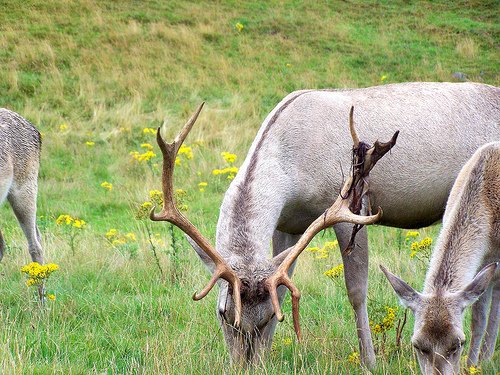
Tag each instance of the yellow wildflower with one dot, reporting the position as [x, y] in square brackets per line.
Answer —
[156, 197]
[79, 223]
[425, 243]
[90, 143]
[149, 131]
[354, 358]
[64, 219]
[130, 237]
[383, 78]
[147, 146]
[107, 185]
[239, 26]
[52, 297]
[63, 127]
[334, 272]
[118, 242]
[202, 186]
[412, 234]
[111, 233]
[473, 370]
[312, 249]
[330, 245]
[286, 341]
[186, 151]
[228, 157]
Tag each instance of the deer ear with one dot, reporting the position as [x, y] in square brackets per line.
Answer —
[477, 286]
[408, 296]
[203, 256]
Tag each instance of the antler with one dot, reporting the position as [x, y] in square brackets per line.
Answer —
[171, 214]
[340, 211]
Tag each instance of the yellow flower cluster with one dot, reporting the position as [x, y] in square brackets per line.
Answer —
[107, 185]
[156, 197]
[37, 272]
[185, 152]
[145, 156]
[144, 210]
[239, 26]
[473, 370]
[228, 157]
[63, 127]
[70, 221]
[387, 321]
[202, 186]
[335, 272]
[90, 143]
[354, 358]
[149, 131]
[420, 247]
[117, 239]
[412, 234]
[324, 252]
[180, 197]
[230, 171]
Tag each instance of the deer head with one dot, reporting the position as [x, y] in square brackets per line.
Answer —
[249, 299]
[438, 336]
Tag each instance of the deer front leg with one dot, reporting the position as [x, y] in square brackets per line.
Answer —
[478, 325]
[356, 280]
[491, 334]
[2, 245]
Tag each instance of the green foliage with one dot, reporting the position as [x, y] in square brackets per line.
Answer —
[109, 69]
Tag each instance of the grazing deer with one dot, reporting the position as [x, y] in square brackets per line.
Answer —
[294, 167]
[254, 279]
[20, 146]
[469, 241]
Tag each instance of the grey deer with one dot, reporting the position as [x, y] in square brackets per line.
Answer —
[272, 273]
[469, 241]
[295, 165]
[20, 145]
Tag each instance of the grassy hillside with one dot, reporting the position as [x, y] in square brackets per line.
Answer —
[92, 75]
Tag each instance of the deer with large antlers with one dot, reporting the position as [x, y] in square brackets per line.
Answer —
[294, 169]
[272, 273]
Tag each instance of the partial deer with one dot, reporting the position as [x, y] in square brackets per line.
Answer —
[469, 241]
[254, 281]
[295, 166]
[20, 145]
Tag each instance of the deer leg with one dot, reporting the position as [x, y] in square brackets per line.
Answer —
[23, 202]
[493, 325]
[478, 325]
[356, 281]
[2, 245]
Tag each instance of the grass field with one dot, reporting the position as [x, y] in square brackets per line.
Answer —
[93, 74]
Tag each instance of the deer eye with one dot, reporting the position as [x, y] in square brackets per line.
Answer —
[422, 350]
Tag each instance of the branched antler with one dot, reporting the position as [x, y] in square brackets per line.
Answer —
[171, 214]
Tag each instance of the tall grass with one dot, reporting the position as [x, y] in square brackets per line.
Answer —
[109, 69]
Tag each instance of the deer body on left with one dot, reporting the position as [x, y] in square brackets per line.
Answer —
[20, 146]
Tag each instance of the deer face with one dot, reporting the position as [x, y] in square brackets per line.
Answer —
[254, 334]
[438, 337]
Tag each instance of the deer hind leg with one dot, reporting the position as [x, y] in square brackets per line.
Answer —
[23, 201]
[356, 281]
[491, 334]
[478, 325]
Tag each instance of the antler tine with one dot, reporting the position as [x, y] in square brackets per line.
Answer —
[354, 135]
[171, 214]
[338, 212]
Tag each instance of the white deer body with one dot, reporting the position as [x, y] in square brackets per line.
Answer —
[20, 145]
[469, 241]
[295, 166]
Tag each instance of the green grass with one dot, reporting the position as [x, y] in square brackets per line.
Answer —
[109, 69]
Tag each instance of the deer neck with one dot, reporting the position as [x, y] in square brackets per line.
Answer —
[462, 243]
[249, 215]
